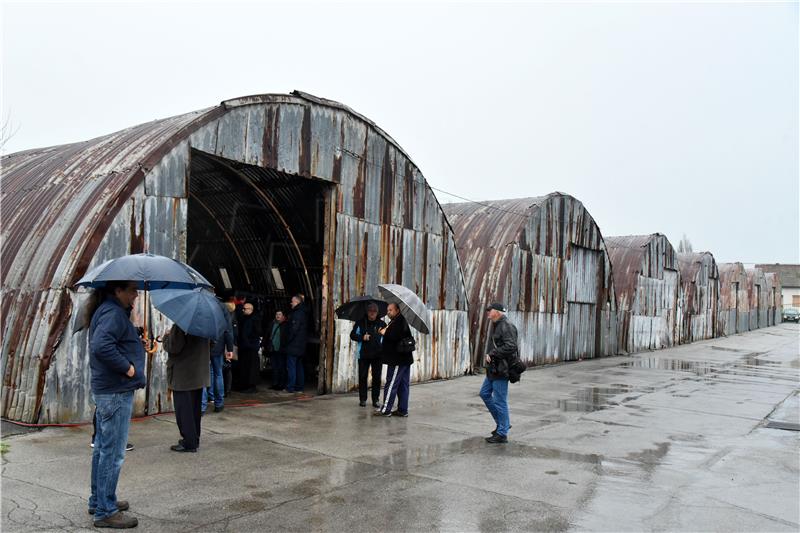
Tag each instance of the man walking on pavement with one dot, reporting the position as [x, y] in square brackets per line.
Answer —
[117, 361]
[494, 391]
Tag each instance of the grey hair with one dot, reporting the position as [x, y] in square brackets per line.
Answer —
[372, 306]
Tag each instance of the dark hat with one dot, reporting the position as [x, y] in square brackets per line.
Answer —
[497, 306]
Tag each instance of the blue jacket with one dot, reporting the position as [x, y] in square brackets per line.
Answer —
[114, 346]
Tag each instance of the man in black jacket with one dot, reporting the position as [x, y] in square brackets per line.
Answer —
[494, 391]
[398, 362]
[296, 340]
[365, 333]
[246, 371]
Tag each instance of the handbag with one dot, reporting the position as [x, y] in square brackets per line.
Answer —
[516, 369]
[407, 344]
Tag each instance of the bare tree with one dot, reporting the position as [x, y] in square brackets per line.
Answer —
[7, 131]
[685, 246]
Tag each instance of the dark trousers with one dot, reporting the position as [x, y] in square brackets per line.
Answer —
[187, 415]
[398, 381]
[278, 361]
[364, 366]
[245, 371]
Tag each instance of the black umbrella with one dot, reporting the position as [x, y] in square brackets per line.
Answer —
[356, 309]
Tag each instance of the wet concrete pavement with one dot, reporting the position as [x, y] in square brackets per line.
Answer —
[670, 440]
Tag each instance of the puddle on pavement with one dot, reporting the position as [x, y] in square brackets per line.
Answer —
[592, 399]
[753, 360]
[422, 456]
[699, 368]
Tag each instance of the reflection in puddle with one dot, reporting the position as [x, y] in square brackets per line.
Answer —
[659, 363]
[593, 398]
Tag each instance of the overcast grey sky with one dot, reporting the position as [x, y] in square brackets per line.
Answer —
[660, 117]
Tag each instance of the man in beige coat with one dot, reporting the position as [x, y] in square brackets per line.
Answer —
[187, 375]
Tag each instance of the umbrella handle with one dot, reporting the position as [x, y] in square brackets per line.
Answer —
[150, 345]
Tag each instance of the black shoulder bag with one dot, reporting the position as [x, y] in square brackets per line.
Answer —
[407, 344]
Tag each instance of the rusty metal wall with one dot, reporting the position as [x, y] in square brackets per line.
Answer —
[734, 304]
[698, 300]
[758, 297]
[69, 206]
[774, 298]
[646, 277]
[545, 258]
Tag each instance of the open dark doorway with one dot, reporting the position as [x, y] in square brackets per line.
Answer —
[259, 235]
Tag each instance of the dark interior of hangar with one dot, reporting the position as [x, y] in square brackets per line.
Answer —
[258, 234]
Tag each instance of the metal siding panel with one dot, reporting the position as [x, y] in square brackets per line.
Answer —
[290, 131]
[373, 194]
[168, 177]
[326, 131]
[232, 134]
[254, 139]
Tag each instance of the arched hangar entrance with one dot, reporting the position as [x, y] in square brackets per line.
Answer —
[259, 234]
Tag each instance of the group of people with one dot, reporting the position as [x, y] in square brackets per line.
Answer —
[235, 360]
[195, 368]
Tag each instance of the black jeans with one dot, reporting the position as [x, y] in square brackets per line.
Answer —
[364, 365]
[187, 415]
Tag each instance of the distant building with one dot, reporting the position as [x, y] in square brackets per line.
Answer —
[789, 281]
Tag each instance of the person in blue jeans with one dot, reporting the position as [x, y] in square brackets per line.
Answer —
[117, 362]
[494, 391]
[296, 339]
[222, 348]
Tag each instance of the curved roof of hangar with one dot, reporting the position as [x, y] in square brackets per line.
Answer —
[690, 263]
[628, 253]
[496, 223]
[732, 272]
[490, 224]
[57, 199]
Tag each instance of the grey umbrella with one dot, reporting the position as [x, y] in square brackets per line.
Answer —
[411, 306]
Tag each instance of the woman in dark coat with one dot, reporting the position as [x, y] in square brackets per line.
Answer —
[188, 373]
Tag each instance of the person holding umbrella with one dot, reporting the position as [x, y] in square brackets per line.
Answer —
[188, 373]
[117, 362]
[198, 318]
[397, 355]
[366, 333]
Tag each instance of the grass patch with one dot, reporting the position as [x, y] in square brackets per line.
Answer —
[4, 447]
